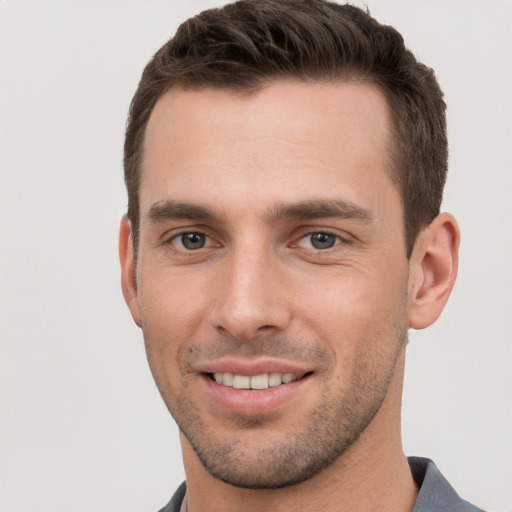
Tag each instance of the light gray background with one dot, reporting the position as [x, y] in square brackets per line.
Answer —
[82, 425]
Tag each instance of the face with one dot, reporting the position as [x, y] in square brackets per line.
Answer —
[271, 274]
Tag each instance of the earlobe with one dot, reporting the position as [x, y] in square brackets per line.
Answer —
[128, 269]
[433, 269]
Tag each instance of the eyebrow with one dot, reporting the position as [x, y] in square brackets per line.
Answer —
[166, 210]
[311, 209]
[320, 209]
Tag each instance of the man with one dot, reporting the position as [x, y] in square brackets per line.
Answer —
[285, 163]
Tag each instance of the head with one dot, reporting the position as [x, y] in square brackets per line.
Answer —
[284, 163]
[248, 45]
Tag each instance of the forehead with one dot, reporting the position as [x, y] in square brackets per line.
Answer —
[289, 138]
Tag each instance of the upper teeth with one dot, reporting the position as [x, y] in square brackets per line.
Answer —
[263, 381]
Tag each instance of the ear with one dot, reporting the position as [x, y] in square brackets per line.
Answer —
[128, 269]
[433, 269]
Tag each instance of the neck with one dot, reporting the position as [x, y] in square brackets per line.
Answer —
[373, 474]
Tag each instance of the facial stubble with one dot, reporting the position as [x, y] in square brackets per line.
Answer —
[273, 461]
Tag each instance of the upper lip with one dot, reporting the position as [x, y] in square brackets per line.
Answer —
[252, 367]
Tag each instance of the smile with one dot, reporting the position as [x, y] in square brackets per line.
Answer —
[262, 381]
[259, 392]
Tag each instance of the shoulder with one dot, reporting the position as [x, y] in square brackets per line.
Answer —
[175, 504]
[436, 494]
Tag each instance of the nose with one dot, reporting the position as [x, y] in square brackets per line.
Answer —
[252, 297]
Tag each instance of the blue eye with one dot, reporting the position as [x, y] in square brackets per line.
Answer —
[191, 241]
[319, 240]
[322, 240]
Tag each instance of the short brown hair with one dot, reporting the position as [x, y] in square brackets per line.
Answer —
[249, 44]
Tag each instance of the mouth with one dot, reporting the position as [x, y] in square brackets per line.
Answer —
[256, 382]
[256, 387]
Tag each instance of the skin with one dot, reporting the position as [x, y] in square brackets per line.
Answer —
[256, 176]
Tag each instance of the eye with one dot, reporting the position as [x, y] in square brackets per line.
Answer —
[192, 241]
[319, 240]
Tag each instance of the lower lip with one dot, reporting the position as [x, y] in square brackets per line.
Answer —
[252, 402]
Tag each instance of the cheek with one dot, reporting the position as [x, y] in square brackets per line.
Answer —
[172, 313]
[354, 310]
[172, 302]
[363, 294]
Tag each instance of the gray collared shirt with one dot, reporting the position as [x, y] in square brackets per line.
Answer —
[435, 495]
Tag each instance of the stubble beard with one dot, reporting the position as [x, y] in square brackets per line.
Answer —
[281, 461]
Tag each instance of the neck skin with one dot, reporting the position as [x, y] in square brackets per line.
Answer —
[372, 475]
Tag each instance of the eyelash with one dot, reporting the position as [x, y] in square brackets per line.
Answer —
[208, 242]
[178, 236]
[338, 240]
